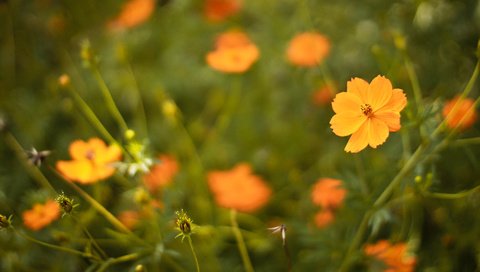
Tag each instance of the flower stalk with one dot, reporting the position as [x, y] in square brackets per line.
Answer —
[240, 242]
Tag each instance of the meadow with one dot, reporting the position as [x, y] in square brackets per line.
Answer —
[237, 135]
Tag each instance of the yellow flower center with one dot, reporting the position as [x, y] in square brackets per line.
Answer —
[90, 155]
[367, 110]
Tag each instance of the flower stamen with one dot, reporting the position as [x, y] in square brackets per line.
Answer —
[366, 109]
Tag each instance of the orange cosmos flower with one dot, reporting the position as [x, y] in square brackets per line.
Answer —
[161, 174]
[218, 10]
[133, 13]
[324, 217]
[368, 112]
[92, 161]
[464, 114]
[327, 192]
[308, 49]
[394, 256]
[41, 215]
[234, 53]
[129, 218]
[239, 189]
[323, 96]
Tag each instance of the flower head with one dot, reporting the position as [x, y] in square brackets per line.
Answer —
[67, 204]
[184, 224]
[129, 218]
[368, 112]
[133, 13]
[219, 10]
[41, 215]
[459, 113]
[394, 256]
[239, 189]
[161, 174]
[5, 222]
[234, 53]
[328, 193]
[308, 49]
[91, 161]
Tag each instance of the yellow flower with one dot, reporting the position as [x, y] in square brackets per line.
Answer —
[308, 49]
[367, 112]
[92, 161]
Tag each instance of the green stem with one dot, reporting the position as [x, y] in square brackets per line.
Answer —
[468, 141]
[97, 206]
[90, 115]
[91, 239]
[112, 107]
[33, 171]
[241, 244]
[121, 259]
[59, 248]
[193, 252]
[451, 196]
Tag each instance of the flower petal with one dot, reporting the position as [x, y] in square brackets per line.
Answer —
[344, 124]
[397, 102]
[377, 132]
[390, 118]
[359, 139]
[345, 101]
[379, 93]
[78, 170]
[359, 87]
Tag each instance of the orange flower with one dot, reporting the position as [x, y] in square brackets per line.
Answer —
[133, 13]
[308, 49]
[464, 114]
[368, 112]
[218, 10]
[129, 218]
[41, 215]
[161, 174]
[324, 218]
[234, 53]
[92, 161]
[239, 189]
[327, 192]
[323, 96]
[394, 256]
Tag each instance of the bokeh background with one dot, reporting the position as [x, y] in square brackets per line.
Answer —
[275, 125]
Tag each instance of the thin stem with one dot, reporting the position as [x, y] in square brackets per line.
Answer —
[90, 115]
[451, 196]
[468, 141]
[97, 206]
[121, 259]
[91, 239]
[112, 107]
[33, 171]
[59, 248]
[193, 252]
[241, 244]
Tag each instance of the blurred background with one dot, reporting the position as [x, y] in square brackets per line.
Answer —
[276, 126]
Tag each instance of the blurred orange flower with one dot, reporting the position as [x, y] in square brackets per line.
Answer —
[323, 218]
[308, 49]
[394, 256]
[239, 189]
[161, 174]
[92, 161]
[133, 13]
[41, 215]
[323, 96]
[129, 218]
[368, 112]
[327, 192]
[234, 53]
[464, 114]
[218, 10]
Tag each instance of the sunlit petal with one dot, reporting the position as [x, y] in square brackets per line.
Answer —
[377, 132]
[359, 140]
[359, 87]
[390, 118]
[344, 124]
[397, 102]
[379, 93]
[346, 102]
